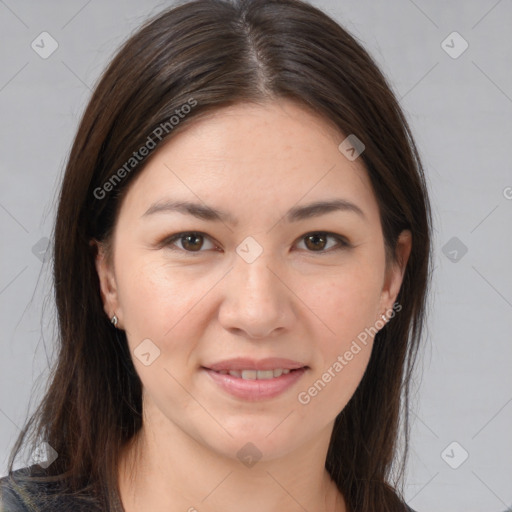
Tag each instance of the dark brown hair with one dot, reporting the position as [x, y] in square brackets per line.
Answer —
[209, 54]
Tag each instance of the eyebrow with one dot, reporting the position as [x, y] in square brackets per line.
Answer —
[295, 214]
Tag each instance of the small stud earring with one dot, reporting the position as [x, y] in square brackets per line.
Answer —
[114, 320]
[384, 318]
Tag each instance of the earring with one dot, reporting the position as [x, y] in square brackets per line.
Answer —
[384, 318]
[114, 320]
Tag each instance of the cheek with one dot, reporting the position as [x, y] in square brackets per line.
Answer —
[166, 304]
[159, 305]
[157, 302]
[346, 301]
[330, 389]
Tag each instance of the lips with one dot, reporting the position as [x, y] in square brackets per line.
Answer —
[251, 379]
[240, 363]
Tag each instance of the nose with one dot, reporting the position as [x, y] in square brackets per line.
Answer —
[257, 301]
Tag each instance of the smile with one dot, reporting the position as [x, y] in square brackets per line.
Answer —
[256, 374]
[255, 385]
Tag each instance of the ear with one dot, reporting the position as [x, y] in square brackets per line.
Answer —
[108, 285]
[395, 273]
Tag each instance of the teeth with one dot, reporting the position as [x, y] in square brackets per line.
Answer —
[256, 374]
[249, 374]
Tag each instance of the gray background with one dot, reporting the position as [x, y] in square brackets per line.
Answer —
[460, 110]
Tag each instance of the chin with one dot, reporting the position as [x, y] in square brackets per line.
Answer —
[266, 440]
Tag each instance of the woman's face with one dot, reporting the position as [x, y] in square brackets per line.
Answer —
[260, 281]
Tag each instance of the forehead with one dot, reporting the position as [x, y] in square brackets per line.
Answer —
[247, 156]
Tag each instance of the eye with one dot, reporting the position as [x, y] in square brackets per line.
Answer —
[317, 241]
[191, 241]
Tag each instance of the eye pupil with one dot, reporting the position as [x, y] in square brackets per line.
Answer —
[192, 247]
[316, 237]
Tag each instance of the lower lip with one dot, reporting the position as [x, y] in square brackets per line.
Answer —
[255, 389]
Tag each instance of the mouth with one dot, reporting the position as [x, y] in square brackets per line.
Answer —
[257, 374]
[255, 380]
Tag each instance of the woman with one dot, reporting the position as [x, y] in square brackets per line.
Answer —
[241, 265]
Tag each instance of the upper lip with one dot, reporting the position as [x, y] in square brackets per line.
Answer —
[243, 363]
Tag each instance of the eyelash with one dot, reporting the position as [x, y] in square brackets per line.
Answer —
[343, 244]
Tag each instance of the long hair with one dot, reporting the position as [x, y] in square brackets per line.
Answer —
[207, 54]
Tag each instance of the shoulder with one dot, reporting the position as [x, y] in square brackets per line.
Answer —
[22, 491]
[13, 497]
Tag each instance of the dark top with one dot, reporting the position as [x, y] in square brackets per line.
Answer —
[19, 496]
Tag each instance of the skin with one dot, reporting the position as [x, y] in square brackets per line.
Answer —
[306, 302]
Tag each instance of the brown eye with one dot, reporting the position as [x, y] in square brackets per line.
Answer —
[190, 242]
[318, 242]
